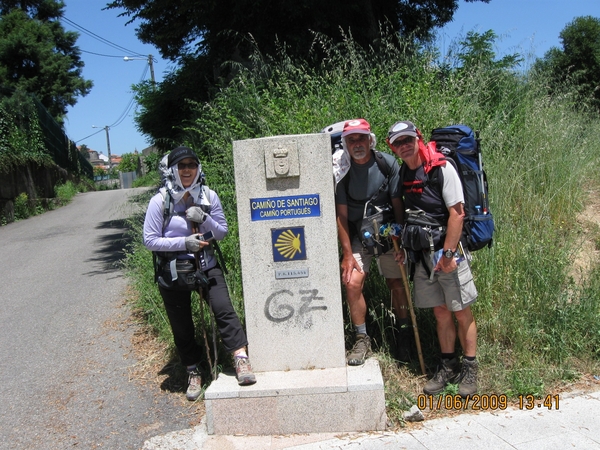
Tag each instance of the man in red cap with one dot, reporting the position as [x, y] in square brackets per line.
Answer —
[367, 190]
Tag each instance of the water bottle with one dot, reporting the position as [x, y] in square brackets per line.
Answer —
[368, 242]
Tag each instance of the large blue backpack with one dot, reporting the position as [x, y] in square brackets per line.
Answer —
[461, 145]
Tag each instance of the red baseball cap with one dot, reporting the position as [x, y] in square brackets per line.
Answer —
[360, 126]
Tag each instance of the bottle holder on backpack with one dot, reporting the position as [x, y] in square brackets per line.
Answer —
[479, 229]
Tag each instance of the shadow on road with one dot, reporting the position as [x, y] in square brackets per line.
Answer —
[110, 247]
[176, 380]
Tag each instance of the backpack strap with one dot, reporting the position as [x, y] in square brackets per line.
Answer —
[206, 207]
[383, 167]
[167, 206]
[382, 164]
[433, 179]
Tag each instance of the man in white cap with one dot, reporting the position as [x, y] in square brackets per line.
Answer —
[367, 190]
[443, 282]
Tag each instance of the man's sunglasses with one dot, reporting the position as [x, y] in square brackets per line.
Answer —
[405, 141]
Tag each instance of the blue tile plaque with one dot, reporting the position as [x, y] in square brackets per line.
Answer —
[292, 207]
[288, 244]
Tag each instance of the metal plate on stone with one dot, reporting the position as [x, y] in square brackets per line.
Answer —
[282, 274]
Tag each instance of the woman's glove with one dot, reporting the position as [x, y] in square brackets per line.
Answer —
[195, 214]
[192, 243]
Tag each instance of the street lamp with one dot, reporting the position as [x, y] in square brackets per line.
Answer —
[107, 145]
[150, 60]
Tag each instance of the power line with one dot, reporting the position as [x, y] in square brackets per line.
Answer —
[125, 112]
[100, 38]
[130, 104]
[83, 139]
[100, 54]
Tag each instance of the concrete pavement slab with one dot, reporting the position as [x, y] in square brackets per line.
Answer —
[574, 424]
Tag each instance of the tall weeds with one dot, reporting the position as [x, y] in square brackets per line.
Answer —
[536, 327]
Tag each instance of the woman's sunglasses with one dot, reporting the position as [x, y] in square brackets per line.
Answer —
[183, 166]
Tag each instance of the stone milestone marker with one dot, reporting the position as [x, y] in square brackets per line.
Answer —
[290, 263]
[292, 300]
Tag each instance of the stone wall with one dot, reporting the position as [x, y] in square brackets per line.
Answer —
[36, 181]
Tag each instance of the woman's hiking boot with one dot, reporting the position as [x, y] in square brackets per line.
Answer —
[243, 371]
[446, 372]
[194, 385]
[360, 351]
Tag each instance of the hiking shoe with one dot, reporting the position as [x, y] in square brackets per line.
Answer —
[445, 373]
[194, 385]
[467, 384]
[360, 351]
[243, 371]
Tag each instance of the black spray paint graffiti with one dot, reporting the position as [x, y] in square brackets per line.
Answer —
[278, 310]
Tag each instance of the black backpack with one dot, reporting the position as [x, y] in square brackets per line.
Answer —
[461, 146]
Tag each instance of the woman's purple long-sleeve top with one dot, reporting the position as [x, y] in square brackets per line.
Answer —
[172, 239]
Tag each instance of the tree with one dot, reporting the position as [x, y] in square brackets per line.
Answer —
[476, 51]
[38, 56]
[84, 150]
[202, 35]
[579, 59]
[130, 162]
[219, 25]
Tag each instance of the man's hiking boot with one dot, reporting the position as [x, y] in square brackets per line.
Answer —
[360, 351]
[446, 373]
[467, 384]
[194, 385]
[243, 371]
[403, 342]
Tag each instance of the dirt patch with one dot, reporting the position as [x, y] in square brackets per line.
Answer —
[156, 368]
[588, 252]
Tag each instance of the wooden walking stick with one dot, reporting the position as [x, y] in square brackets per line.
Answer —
[394, 232]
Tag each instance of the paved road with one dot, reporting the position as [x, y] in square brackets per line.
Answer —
[65, 349]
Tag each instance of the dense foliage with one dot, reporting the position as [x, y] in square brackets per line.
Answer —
[537, 315]
[130, 162]
[578, 62]
[21, 139]
[210, 38]
[38, 56]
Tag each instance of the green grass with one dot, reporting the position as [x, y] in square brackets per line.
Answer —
[537, 327]
[25, 207]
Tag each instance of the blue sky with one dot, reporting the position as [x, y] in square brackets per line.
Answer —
[528, 27]
[109, 99]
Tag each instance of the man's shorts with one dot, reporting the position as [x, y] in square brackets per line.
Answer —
[388, 265]
[456, 289]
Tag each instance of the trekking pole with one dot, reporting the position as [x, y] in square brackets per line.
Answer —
[213, 368]
[410, 308]
[484, 206]
[393, 230]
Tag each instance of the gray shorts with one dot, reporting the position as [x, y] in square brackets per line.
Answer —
[456, 289]
[386, 262]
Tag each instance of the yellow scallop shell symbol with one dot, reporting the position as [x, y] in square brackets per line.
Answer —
[288, 244]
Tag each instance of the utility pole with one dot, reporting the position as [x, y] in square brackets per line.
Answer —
[151, 64]
[106, 128]
[149, 60]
